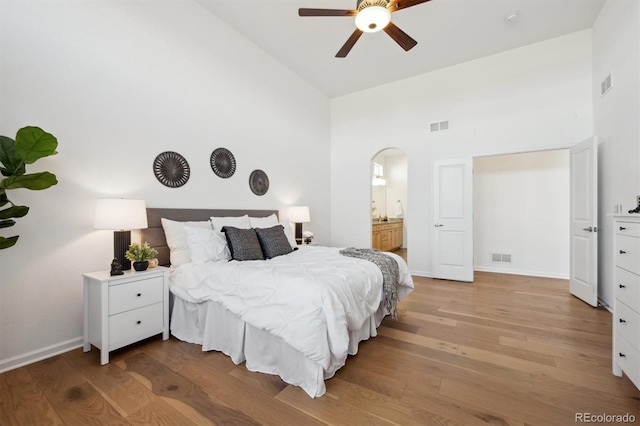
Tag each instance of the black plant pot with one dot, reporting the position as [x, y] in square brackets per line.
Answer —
[141, 266]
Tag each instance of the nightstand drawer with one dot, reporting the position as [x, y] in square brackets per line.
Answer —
[627, 288]
[628, 228]
[627, 323]
[135, 325]
[628, 358]
[128, 296]
[628, 253]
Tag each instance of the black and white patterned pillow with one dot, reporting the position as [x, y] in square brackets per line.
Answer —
[273, 240]
[243, 243]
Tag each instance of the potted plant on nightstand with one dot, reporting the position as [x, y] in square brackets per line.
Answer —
[140, 255]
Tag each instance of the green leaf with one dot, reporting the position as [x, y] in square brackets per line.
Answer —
[7, 223]
[8, 242]
[33, 143]
[3, 198]
[11, 165]
[35, 181]
[14, 211]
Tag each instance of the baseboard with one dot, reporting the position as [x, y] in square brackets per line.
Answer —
[39, 354]
[421, 274]
[500, 271]
[522, 272]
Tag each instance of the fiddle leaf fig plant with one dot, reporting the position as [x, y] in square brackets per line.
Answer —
[31, 144]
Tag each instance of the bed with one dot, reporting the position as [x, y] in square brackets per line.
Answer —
[297, 315]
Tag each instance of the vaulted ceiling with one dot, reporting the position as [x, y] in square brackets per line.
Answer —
[448, 32]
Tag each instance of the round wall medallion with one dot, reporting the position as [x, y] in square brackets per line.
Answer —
[259, 182]
[223, 163]
[171, 169]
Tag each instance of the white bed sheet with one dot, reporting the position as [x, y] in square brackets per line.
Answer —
[210, 312]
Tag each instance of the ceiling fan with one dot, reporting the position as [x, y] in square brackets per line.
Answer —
[370, 16]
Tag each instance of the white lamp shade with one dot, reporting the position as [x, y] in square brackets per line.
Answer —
[299, 214]
[120, 214]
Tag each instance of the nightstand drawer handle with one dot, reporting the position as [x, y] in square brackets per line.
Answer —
[139, 294]
[622, 286]
[623, 252]
[139, 322]
[622, 321]
[621, 354]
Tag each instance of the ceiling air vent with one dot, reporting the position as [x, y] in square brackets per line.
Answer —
[605, 86]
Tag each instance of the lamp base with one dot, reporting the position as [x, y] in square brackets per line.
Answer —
[299, 233]
[121, 243]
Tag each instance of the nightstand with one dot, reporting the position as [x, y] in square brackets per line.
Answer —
[124, 309]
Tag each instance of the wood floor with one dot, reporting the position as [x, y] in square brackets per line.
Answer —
[503, 350]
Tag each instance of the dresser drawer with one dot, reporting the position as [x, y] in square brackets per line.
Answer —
[628, 228]
[128, 296]
[387, 226]
[627, 288]
[627, 323]
[135, 325]
[628, 358]
[628, 253]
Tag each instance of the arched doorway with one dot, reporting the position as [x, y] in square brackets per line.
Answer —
[389, 201]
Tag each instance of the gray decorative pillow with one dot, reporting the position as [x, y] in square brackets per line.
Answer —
[243, 243]
[273, 240]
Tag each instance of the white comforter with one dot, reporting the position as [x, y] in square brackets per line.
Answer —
[310, 298]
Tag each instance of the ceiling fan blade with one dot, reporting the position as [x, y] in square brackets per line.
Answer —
[346, 48]
[400, 37]
[395, 5]
[326, 12]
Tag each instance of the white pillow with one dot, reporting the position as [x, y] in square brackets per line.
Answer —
[288, 231]
[207, 245]
[264, 222]
[241, 222]
[176, 237]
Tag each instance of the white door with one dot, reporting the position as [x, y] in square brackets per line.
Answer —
[583, 270]
[453, 219]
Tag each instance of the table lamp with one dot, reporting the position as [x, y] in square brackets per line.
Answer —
[299, 215]
[121, 216]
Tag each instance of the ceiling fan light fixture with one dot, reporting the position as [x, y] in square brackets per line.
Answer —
[373, 18]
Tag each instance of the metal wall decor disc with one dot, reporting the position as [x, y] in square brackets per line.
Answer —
[171, 169]
[259, 182]
[223, 163]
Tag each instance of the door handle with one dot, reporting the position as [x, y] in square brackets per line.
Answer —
[589, 229]
[438, 225]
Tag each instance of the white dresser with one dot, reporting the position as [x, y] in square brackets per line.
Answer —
[124, 309]
[626, 306]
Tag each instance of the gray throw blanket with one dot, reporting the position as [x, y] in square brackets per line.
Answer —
[390, 274]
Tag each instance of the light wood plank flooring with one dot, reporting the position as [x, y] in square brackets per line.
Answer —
[502, 350]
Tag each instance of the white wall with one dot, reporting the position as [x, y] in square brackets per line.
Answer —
[616, 50]
[521, 208]
[527, 98]
[118, 83]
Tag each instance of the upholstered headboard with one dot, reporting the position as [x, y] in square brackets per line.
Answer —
[154, 234]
